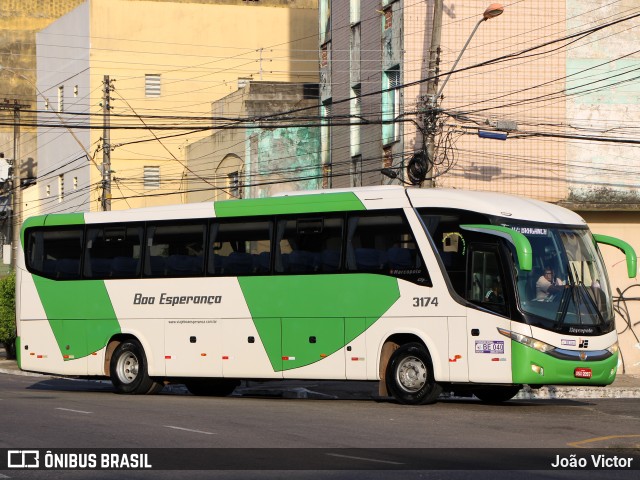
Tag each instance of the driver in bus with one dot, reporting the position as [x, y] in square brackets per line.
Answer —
[548, 285]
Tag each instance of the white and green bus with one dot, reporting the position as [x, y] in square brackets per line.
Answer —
[419, 289]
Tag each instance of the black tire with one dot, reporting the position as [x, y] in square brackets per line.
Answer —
[409, 375]
[128, 370]
[211, 387]
[497, 394]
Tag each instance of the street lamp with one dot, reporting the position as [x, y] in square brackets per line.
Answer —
[492, 11]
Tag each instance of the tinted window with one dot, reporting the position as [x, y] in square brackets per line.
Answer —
[240, 247]
[54, 253]
[113, 251]
[485, 286]
[175, 249]
[383, 243]
[309, 244]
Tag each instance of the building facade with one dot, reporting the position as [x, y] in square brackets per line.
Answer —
[149, 71]
[541, 104]
[266, 153]
[19, 22]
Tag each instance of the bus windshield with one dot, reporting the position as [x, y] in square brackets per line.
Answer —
[567, 288]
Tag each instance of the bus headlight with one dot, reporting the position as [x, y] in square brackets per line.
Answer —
[613, 348]
[528, 341]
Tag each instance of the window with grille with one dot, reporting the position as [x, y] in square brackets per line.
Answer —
[355, 39]
[391, 105]
[151, 177]
[356, 113]
[233, 184]
[325, 141]
[60, 188]
[152, 85]
[356, 171]
[61, 98]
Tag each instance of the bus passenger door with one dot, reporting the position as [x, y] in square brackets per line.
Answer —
[313, 348]
[488, 351]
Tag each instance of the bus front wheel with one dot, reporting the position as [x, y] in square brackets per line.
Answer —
[128, 370]
[409, 375]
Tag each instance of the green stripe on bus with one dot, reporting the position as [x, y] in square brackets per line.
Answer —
[302, 319]
[557, 371]
[80, 314]
[64, 219]
[330, 202]
[18, 353]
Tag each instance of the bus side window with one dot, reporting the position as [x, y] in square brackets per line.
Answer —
[382, 242]
[175, 249]
[239, 247]
[113, 251]
[309, 244]
[484, 283]
[55, 253]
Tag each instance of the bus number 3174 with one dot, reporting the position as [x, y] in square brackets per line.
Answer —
[425, 301]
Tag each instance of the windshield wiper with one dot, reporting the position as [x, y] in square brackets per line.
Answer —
[564, 300]
[590, 300]
[564, 306]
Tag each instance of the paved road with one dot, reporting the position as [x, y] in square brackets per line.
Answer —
[42, 412]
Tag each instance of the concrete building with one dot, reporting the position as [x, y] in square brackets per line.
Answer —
[19, 22]
[165, 61]
[564, 73]
[258, 160]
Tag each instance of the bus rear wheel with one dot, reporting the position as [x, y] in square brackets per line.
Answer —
[497, 394]
[211, 387]
[409, 375]
[128, 370]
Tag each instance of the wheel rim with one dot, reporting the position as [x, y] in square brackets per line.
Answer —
[127, 367]
[411, 374]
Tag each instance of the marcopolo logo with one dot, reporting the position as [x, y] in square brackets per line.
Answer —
[23, 459]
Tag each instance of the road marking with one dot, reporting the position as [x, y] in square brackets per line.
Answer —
[189, 430]
[70, 410]
[363, 458]
[3, 476]
[600, 439]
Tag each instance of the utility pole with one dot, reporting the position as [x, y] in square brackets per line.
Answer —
[433, 93]
[106, 144]
[431, 117]
[16, 187]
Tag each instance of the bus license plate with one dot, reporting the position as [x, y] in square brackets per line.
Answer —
[582, 373]
[490, 346]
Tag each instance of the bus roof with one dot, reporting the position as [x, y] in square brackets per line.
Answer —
[334, 200]
[496, 204]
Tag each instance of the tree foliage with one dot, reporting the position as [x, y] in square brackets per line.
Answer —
[8, 313]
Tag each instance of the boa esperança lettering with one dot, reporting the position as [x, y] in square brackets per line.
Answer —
[173, 300]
